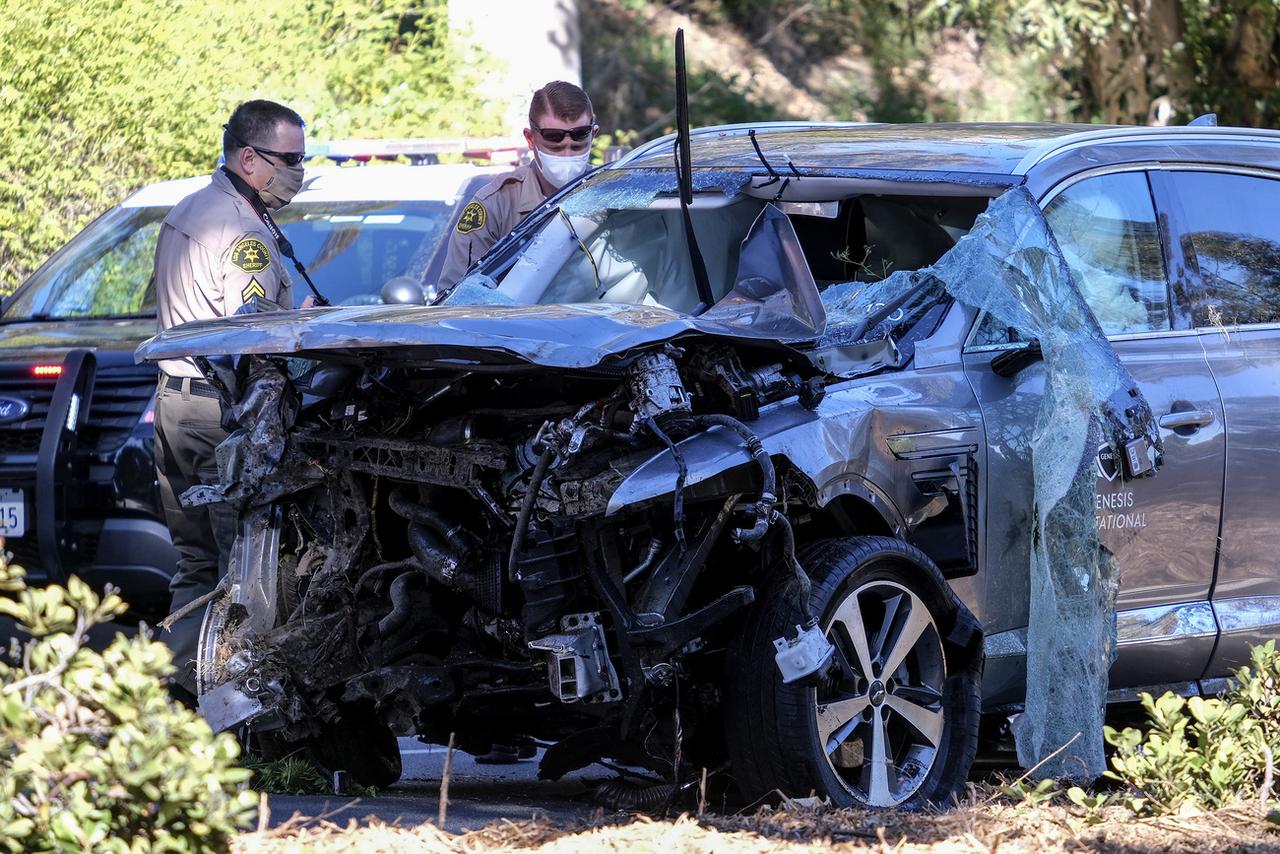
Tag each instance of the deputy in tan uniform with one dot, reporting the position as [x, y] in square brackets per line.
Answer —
[215, 253]
[561, 128]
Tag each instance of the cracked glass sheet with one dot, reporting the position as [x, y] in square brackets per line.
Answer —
[634, 189]
[1010, 266]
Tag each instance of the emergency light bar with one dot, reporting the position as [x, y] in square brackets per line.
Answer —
[420, 151]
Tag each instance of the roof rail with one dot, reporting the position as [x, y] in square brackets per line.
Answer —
[1126, 133]
[420, 151]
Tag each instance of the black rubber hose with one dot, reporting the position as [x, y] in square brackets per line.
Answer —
[526, 509]
[384, 567]
[769, 476]
[802, 577]
[621, 795]
[432, 555]
[401, 605]
[454, 534]
[765, 513]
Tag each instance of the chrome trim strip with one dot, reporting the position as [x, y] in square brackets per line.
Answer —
[1216, 686]
[1130, 695]
[1113, 169]
[1135, 625]
[1165, 622]
[934, 443]
[1247, 613]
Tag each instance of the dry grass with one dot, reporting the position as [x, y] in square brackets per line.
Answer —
[985, 824]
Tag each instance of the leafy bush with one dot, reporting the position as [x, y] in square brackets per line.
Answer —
[94, 756]
[1203, 753]
[100, 97]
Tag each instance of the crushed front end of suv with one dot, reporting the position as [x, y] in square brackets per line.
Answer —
[577, 501]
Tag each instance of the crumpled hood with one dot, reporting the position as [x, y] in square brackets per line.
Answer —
[556, 336]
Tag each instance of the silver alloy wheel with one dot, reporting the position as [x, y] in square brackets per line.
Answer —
[879, 712]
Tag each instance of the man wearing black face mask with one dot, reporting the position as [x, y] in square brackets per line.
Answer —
[215, 253]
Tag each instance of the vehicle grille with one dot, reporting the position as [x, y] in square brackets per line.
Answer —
[26, 550]
[118, 402]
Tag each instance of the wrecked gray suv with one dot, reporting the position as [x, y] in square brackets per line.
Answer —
[799, 468]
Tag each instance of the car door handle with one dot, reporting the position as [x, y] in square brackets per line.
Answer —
[1186, 418]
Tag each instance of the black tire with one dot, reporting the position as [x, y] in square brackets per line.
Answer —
[359, 743]
[773, 729]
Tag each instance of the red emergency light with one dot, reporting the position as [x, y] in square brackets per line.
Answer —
[46, 371]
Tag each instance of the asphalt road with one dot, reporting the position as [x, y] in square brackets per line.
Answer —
[478, 794]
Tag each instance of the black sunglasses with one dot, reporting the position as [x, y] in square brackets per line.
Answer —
[555, 135]
[289, 158]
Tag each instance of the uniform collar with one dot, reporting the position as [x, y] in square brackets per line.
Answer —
[223, 183]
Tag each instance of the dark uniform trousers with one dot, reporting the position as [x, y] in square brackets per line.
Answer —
[188, 429]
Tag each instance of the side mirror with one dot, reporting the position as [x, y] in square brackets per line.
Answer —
[406, 291]
[1009, 363]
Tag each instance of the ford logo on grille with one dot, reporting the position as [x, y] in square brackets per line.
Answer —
[13, 409]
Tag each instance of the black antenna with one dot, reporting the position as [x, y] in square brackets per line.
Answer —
[684, 174]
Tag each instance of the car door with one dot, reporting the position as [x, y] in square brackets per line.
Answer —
[1228, 225]
[1162, 530]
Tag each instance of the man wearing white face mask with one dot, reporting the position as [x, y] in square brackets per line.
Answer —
[561, 128]
[215, 252]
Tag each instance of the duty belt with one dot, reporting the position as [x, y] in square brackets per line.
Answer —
[192, 385]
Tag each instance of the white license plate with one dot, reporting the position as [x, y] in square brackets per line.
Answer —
[13, 513]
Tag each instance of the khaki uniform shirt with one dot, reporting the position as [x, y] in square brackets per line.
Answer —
[213, 256]
[497, 207]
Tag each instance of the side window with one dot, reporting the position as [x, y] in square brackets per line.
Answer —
[1106, 227]
[1231, 227]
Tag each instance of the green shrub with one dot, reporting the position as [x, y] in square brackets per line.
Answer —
[100, 97]
[94, 756]
[1203, 753]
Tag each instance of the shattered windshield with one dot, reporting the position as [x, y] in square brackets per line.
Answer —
[620, 238]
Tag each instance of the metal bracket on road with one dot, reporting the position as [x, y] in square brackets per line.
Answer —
[227, 707]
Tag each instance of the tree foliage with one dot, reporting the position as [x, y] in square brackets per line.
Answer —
[94, 756]
[1123, 61]
[100, 97]
[1135, 61]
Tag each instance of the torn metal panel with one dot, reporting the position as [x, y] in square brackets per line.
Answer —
[262, 415]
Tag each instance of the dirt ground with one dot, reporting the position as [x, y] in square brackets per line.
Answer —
[986, 823]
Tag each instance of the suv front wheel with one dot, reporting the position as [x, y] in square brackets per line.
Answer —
[893, 722]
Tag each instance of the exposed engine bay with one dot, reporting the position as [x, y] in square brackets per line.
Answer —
[447, 560]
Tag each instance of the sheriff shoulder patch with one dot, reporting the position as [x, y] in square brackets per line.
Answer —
[250, 254]
[253, 289]
[473, 218]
